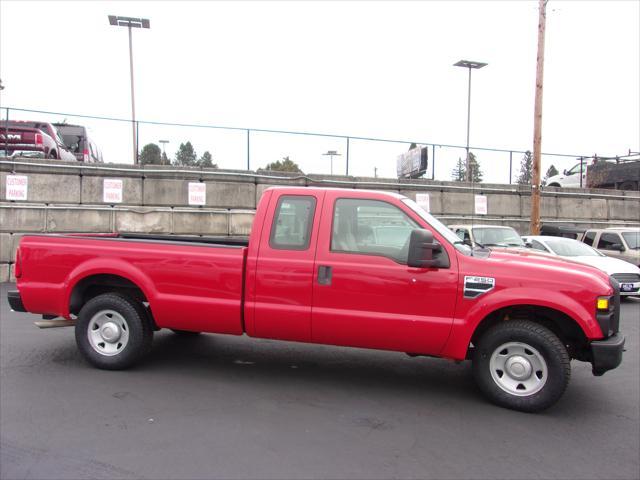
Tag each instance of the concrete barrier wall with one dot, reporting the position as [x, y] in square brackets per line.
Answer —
[68, 197]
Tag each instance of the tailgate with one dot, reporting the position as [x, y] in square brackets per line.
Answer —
[20, 135]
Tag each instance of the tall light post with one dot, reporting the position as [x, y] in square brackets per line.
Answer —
[332, 153]
[163, 142]
[130, 23]
[469, 65]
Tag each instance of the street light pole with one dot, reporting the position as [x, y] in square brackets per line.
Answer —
[133, 102]
[131, 22]
[469, 65]
[332, 153]
[163, 142]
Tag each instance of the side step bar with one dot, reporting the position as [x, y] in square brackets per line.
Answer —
[54, 323]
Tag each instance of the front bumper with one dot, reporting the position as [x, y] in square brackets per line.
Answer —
[15, 301]
[607, 354]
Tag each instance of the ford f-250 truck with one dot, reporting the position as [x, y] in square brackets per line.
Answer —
[334, 266]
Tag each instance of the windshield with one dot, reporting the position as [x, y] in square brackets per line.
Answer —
[566, 247]
[440, 227]
[497, 236]
[632, 239]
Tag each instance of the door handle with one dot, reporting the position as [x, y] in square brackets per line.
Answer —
[324, 275]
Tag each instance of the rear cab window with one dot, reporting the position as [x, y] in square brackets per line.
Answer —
[292, 222]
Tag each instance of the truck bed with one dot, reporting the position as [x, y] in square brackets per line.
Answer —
[190, 283]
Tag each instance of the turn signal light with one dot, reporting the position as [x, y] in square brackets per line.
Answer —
[603, 303]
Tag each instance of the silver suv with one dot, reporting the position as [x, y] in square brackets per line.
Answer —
[622, 243]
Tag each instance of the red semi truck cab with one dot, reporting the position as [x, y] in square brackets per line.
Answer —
[343, 267]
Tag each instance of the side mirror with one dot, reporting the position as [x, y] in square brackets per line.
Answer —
[467, 241]
[528, 244]
[618, 247]
[422, 248]
[565, 172]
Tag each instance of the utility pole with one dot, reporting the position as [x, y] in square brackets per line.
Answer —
[534, 226]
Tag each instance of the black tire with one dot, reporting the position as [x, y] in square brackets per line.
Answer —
[542, 343]
[185, 333]
[554, 185]
[52, 154]
[139, 334]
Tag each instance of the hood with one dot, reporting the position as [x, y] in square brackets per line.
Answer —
[527, 266]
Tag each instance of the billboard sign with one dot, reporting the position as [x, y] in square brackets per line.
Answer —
[412, 164]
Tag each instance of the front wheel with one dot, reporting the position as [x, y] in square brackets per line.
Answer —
[113, 331]
[521, 365]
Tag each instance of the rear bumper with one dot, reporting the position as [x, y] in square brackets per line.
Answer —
[607, 354]
[15, 301]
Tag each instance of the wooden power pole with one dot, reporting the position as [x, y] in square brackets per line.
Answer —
[534, 227]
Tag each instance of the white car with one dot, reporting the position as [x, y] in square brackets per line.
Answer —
[569, 178]
[627, 274]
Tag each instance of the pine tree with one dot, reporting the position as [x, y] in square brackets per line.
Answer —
[552, 172]
[186, 155]
[459, 174]
[474, 166]
[526, 169]
[206, 161]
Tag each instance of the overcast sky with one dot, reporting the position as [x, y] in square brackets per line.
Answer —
[370, 69]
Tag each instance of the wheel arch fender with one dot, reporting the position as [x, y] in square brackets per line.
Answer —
[464, 328]
[111, 266]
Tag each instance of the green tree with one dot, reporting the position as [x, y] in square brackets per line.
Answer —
[459, 174]
[284, 165]
[150, 155]
[526, 169]
[185, 156]
[552, 172]
[206, 161]
[474, 166]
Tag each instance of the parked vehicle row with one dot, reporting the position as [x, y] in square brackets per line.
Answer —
[627, 274]
[618, 173]
[32, 139]
[617, 254]
[47, 140]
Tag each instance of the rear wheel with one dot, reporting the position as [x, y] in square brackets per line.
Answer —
[521, 365]
[52, 154]
[113, 331]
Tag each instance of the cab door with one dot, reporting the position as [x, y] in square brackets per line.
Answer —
[284, 268]
[364, 294]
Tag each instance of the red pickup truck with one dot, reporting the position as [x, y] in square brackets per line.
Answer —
[334, 266]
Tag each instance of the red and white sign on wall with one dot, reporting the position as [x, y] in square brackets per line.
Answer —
[16, 187]
[197, 193]
[481, 204]
[112, 190]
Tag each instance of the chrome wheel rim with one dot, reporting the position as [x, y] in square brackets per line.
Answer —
[108, 333]
[518, 369]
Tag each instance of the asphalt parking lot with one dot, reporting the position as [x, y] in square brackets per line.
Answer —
[225, 407]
